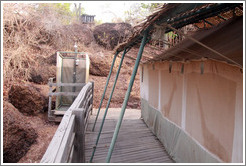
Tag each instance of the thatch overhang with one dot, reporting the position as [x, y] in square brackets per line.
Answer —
[205, 17]
[230, 46]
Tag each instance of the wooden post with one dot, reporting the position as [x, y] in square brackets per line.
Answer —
[50, 115]
[91, 103]
[79, 142]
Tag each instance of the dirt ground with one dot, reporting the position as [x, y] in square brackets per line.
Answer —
[45, 131]
[120, 89]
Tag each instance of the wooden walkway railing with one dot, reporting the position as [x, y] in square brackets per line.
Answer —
[68, 143]
[52, 114]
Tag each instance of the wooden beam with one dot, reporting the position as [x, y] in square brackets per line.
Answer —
[67, 84]
[64, 149]
[57, 112]
[64, 94]
[52, 150]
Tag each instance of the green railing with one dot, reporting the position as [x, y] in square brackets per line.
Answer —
[116, 132]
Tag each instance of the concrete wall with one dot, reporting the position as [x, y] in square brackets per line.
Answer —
[208, 106]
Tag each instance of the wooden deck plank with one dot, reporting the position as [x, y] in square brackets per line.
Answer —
[135, 143]
[152, 149]
[146, 142]
[135, 154]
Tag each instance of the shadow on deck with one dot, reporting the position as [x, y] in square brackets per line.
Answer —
[135, 142]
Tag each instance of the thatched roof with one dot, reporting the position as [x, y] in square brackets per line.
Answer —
[225, 38]
[178, 16]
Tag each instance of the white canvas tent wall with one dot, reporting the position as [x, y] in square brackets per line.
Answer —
[196, 107]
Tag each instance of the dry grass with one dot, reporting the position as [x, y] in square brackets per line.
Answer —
[16, 63]
[29, 32]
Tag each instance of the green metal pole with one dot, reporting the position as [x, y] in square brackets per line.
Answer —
[109, 100]
[117, 128]
[109, 75]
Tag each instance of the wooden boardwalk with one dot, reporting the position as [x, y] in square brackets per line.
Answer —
[135, 143]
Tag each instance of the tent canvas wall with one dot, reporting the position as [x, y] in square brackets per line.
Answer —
[195, 107]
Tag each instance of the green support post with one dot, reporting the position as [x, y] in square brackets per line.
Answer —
[109, 75]
[106, 110]
[117, 128]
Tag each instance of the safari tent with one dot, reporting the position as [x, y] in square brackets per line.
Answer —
[195, 103]
[192, 91]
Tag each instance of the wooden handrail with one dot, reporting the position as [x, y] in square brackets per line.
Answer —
[67, 145]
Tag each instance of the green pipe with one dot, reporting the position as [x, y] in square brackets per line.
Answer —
[106, 110]
[117, 128]
[109, 75]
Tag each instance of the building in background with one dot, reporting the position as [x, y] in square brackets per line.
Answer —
[85, 18]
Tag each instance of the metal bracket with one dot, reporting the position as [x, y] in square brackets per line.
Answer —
[170, 67]
[202, 67]
[182, 68]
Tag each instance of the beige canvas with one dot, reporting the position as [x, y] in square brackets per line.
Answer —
[206, 102]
